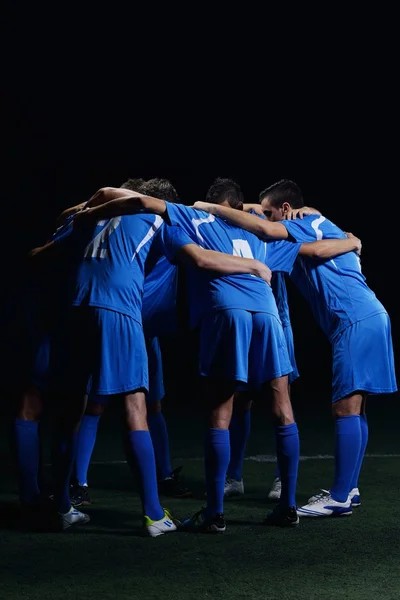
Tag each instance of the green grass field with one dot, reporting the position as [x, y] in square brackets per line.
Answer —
[353, 557]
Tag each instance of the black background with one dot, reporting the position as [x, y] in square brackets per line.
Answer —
[196, 96]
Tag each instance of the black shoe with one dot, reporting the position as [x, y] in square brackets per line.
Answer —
[79, 495]
[171, 486]
[199, 523]
[282, 516]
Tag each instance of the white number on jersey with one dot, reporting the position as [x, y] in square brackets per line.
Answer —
[242, 248]
[95, 249]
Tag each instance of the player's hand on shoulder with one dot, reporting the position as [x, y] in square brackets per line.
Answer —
[206, 206]
[263, 271]
[253, 207]
[356, 241]
[299, 213]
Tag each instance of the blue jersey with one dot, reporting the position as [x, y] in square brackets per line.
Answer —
[209, 293]
[110, 263]
[160, 291]
[335, 289]
[278, 285]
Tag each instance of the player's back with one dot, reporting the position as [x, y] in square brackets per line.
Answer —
[208, 292]
[110, 261]
[336, 289]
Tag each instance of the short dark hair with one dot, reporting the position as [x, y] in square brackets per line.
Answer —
[282, 191]
[132, 184]
[159, 188]
[224, 189]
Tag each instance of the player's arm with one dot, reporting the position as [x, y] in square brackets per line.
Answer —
[106, 194]
[255, 207]
[61, 219]
[220, 263]
[123, 205]
[326, 249]
[44, 254]
[299, 213]
[264, 229]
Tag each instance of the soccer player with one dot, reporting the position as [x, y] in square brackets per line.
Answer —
[36, 375]
[159, 318]
[353, 319]
[241, 340]
[241, 418]
[104, 340]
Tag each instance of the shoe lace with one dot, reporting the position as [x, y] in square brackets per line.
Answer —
[318, 497]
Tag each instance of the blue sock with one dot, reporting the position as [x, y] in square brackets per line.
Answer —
[63, 470]
[159, 437]
[364, 442]
[86, 441]
[277, 471]
[141, 459]
[288, 452]
[239, 431]
[26, 436]
[347, 451]
[216, 455]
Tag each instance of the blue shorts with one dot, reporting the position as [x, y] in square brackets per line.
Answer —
[103, 347]
[287, 330]
[239, 345]
[156, 381]
[363, 358]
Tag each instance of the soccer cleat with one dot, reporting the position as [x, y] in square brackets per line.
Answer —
[79, 495]
[199, 523]
[165, 525]
[233, 487]
[275, 491]
[324, 505]
[72, 517]
[171, 486]
[282, 516]
[354, 497]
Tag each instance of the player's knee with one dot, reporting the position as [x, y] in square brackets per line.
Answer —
[94, 409]
[348, 406]
[31, 405]
[282, 412]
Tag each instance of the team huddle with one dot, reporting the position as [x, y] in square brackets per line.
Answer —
[108, 291]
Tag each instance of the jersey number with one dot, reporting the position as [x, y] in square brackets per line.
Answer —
[242, 248]
[98, 246]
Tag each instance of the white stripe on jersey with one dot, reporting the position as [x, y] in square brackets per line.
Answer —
[158, 221]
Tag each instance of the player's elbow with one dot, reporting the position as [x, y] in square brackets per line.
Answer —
[320, 253]
[200, 258]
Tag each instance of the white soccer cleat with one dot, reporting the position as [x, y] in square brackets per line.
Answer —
[233, 487]
[72, 517]
[275, 491]
[325, 506]
[354, 497]
[165, 525]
